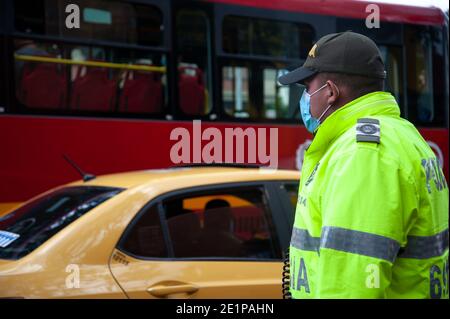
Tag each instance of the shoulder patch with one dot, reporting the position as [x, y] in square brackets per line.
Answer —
[368, 130]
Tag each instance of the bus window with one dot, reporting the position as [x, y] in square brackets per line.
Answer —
[235, 95]
[39, 85]
[194, 63]
[392, 57]
[253, 91]
[256, 54]
[141, 91]
[101, 80]
[420, 76]
[30, 16]
[278, 102]
[264, 37]
[81, 54]
[74, 79]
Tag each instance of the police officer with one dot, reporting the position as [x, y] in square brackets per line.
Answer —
[372, 211]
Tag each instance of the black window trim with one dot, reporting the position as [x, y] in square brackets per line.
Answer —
[278, 230]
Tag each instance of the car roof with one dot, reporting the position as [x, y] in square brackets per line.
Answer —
[194, 175]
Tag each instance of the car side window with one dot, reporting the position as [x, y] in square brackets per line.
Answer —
[226, 223]
[145, 238]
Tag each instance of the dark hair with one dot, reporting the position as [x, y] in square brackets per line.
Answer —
[357, 85]
[216, 203]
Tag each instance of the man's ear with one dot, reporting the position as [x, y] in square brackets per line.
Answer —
[333, 93]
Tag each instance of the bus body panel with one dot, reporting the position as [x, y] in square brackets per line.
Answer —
[33, 141]
[33, 162]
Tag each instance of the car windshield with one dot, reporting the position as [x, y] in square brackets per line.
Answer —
[28, 227]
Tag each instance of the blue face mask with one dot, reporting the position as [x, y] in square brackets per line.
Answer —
[311, 123]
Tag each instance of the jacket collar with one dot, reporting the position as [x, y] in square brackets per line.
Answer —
[372, 104]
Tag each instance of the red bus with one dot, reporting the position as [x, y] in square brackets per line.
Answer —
[109, 93]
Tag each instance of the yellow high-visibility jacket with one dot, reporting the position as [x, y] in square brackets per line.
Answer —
[372, 211]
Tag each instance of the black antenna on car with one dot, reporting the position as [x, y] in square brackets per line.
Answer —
[86, 177]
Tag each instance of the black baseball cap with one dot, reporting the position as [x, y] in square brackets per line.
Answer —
[345, 52]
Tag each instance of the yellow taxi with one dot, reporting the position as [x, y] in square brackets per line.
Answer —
[201, 232]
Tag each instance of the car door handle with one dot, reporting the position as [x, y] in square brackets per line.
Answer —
[163, 290]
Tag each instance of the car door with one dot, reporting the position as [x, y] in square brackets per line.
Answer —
[220, 241]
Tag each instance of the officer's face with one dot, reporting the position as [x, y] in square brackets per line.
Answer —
[321, 99]
[318, 100]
